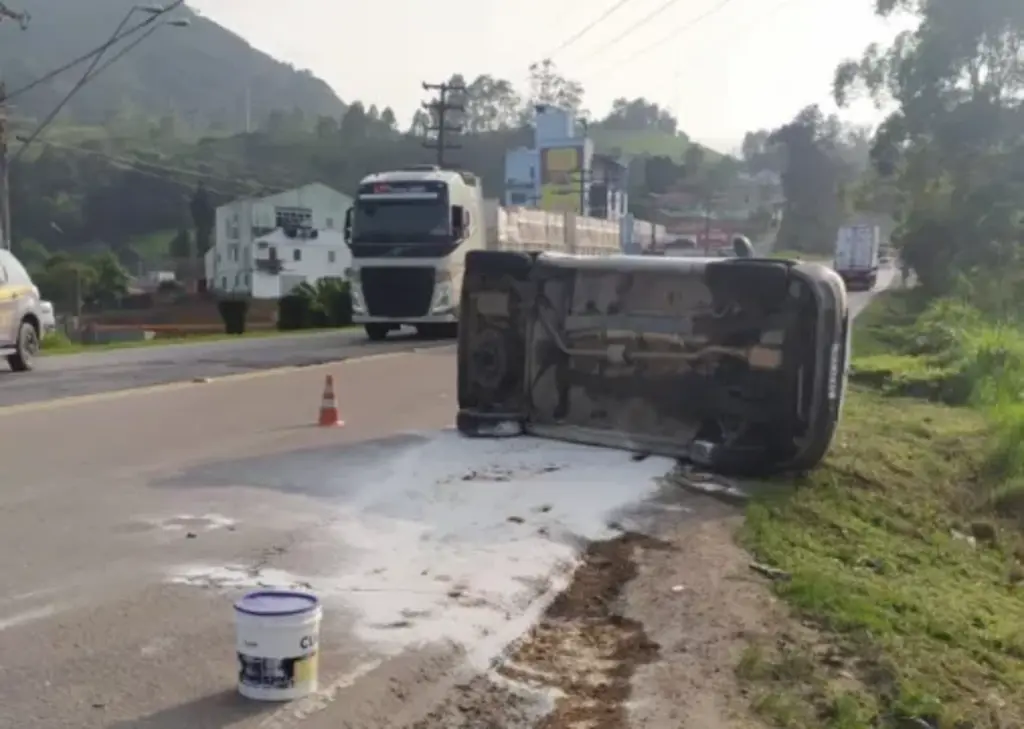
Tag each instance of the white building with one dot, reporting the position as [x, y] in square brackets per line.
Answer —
[265, 247]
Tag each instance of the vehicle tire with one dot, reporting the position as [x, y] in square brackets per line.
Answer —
[28, 347]
[377, 332]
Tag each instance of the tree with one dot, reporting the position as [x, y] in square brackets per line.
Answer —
[180, 245]
[327, 128]
[110, 284]
[548, 86]
[356, 122]
[204, 218]
[810, 182]
[955, 142]
[759, 154]
[420, 123]
[639, 115]
[491, 104]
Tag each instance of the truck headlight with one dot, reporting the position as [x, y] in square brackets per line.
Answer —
[355, 292]
[443, 296]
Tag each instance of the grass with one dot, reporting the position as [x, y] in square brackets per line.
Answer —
[903, 558]
[635, 144]
[55, 345]
[153, 247]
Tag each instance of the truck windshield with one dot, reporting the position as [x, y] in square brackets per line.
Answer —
[400, 221]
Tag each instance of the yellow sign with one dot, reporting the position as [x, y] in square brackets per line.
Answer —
[561, 179]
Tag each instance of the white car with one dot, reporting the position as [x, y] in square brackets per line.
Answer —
[49, 319]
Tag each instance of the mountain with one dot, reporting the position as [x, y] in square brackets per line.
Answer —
[197, 73]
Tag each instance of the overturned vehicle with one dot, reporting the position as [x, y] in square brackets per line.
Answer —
[736, 365]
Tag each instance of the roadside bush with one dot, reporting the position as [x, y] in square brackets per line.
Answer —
[55, 342]
[233, 312]
[958, 354]
[293, 313]
[326, 304]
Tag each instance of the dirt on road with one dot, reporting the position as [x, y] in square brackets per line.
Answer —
[647, 635]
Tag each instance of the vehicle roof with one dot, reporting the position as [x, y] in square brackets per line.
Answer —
[448, 176]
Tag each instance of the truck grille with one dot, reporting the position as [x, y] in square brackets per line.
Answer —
[398, 292]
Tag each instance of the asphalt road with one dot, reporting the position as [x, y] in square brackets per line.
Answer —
[129, 522]
[123, 369]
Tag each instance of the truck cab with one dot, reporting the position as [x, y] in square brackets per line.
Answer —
[409, 231]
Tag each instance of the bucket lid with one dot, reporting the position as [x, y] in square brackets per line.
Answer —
[277, 603]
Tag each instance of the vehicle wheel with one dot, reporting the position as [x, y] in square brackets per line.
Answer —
[377, 332]
[28, 347]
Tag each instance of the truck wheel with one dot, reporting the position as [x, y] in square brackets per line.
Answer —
[24, 356]
[377, 332]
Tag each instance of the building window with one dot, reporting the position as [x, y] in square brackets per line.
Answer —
[330, 223]
[273, 253]
[517, 198]
[233, 252]
[296, 255]
[245, 278]
[224, 283]
[331, 256]
[293, 217]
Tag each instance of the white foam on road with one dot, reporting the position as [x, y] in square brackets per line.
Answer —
[461, 540]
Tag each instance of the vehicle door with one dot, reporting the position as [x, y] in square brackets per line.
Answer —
[8, 306]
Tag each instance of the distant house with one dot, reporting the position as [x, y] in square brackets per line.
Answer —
[265, 247]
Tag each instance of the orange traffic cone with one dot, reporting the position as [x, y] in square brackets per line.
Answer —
[329, 416]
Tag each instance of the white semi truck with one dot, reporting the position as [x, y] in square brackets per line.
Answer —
[857, 256]
[410, 229]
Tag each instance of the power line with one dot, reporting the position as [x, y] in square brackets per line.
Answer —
[89, 74]
[154, 170]
[99, 50]
[587, 28]
[674, 34]
[634, 27]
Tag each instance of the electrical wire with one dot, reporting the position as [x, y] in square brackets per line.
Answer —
[587, 28]
[154, 169]
[690, 24]
[633, 28]
[92, 72]
[99, 50]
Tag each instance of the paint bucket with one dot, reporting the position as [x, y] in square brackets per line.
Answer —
[277, 640]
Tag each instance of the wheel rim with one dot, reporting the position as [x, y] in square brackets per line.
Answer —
[30, 343]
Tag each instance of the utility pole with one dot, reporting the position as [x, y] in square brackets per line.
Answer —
[5, 194]
[439, 109]
[22, 18]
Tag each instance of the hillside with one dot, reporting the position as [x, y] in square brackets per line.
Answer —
[197, 73]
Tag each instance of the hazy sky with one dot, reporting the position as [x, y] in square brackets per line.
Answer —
[748, 64]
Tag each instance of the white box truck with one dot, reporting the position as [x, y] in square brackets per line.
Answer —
[857, 256]
[410, 229]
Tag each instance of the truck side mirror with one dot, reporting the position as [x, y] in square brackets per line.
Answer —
[459, 217]
[348, 226]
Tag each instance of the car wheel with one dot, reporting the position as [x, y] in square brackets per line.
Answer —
[28, 347]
